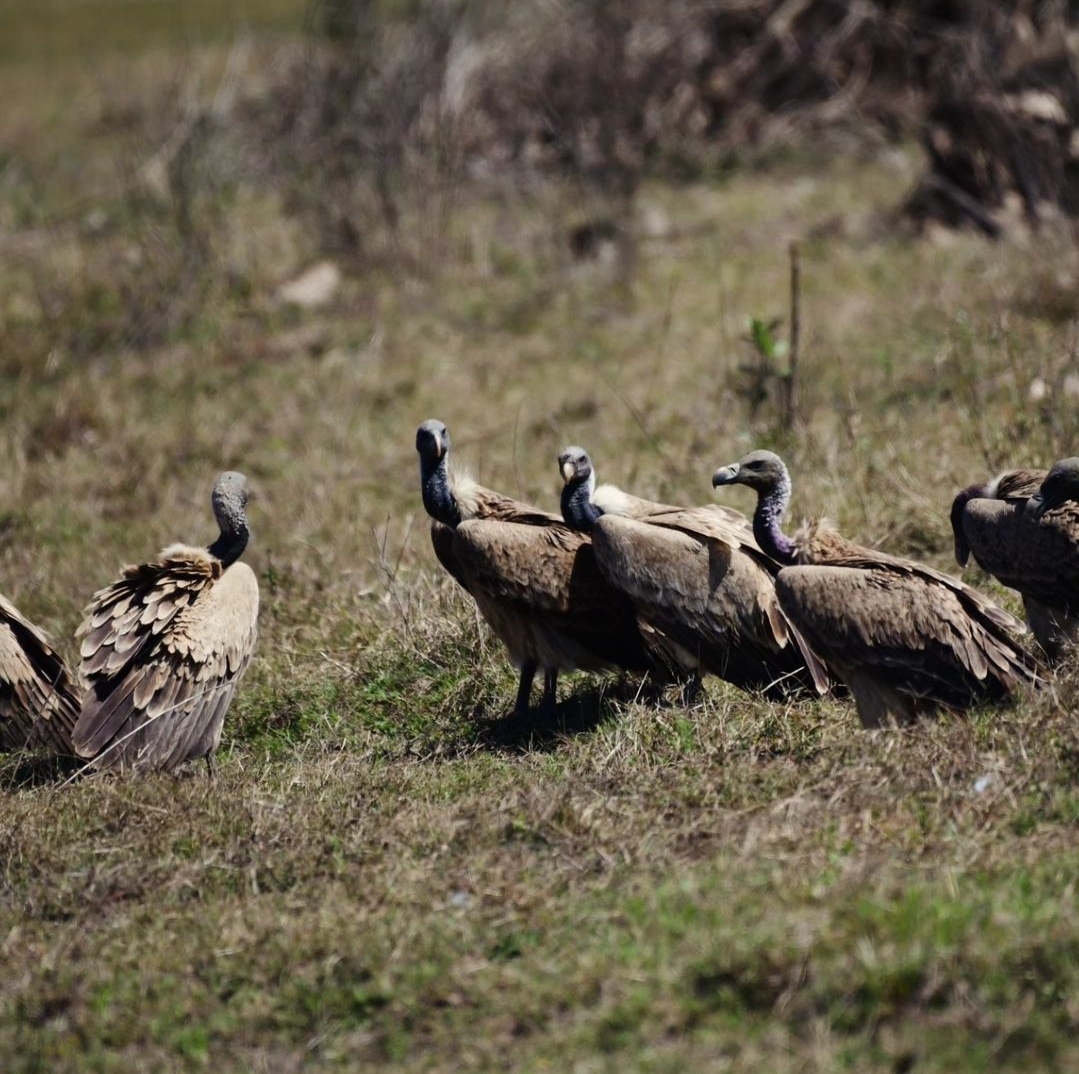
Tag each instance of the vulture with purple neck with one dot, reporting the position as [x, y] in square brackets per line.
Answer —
[907, 639]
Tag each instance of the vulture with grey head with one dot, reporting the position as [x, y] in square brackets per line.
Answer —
[905, 638]
[164, 647]
[533, 578]
[704, 592]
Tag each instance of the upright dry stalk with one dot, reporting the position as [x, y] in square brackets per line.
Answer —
[790, 382]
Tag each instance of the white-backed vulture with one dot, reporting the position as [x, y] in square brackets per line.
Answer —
[534, 579]
[1037, 555]
[164, 647]
[905, 638]
[38, 703]
[703, 591]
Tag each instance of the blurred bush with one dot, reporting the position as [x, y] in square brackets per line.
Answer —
[401, 103]
[392, 112]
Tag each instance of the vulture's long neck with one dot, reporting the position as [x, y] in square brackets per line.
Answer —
[578, 510]
[438, 498]
[234, 536]
[768, 521]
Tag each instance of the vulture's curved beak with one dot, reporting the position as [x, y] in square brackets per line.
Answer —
[725, 475]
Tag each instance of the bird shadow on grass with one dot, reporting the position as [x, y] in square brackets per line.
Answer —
[544, 732]
[27, 771]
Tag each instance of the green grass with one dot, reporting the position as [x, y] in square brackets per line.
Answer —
[621, 898]
[388, 875]
[33, 32]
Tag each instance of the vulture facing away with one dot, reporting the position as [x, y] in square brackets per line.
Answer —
[703, 590]
[905, 638]
[164, 647]
[38, 703]
[534, 579]
[1033, 551]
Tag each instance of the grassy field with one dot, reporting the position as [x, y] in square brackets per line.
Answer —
[78, 32]
[386, 874]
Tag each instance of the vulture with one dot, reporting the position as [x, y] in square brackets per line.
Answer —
[905, 638]
[163, 648]
[38, 703]
[534, 579]
[1032, 550]
[1060, 486]
[703, 590]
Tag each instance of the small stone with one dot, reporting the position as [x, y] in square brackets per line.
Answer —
[314, 288]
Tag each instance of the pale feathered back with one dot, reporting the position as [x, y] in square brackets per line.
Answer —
[479, 502]
[614, 501]
[704, 591]
[162, 650]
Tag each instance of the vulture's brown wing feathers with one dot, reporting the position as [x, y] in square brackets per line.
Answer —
[480, 504]
[442, 542]
[720, 524]
[548, 572]
[833, 550]
[906, 638]
[914, 629]
[1039, 558]
[730, 530]
[530, 564]
[38, 703]
[162, 651]
[701, 591]
[1017, 486]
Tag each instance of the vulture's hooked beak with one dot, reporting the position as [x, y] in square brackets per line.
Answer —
[725, 475]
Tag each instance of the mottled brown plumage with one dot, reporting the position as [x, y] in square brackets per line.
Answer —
[534, 579]
[38, 703]
[975, 512]
[703, 591]
[164, 646]
[913, 631]
[906, 638]
[1038, 557]
[539, 587]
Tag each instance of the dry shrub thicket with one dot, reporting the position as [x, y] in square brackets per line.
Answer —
[608, 92]
[381, 124]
